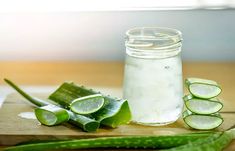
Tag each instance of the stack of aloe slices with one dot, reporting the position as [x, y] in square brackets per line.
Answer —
[79, 106]
[202, 104]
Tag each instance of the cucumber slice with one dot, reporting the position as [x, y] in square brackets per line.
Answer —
[88, 104]
[203, 88]
[202, 122]
[202, 106]
[51, 115]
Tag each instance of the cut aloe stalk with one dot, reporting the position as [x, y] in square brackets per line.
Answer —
[202, 122]
[203, 88]
[51, 115]
[202, 106]
[88, 104]
[86, 123]
[114, 113]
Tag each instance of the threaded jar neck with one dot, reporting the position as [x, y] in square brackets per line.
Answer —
[153, 42]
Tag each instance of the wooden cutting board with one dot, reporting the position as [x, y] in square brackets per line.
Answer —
[15, 129]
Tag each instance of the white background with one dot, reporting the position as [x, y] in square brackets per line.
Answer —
[39, 31]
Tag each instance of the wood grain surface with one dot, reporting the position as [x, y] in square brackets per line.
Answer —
[108, 75]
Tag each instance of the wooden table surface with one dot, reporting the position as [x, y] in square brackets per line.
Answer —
[110, 74]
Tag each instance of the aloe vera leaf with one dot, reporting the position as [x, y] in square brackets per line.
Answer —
[87, 104]
[201, 121]
[203, 88]
[159, 142]
[33, 100]
[51, 115]
[114, 113]
[202, 106]
[68, 92]
[86, 123]
[215, 142]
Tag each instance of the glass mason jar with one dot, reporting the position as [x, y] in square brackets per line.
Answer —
[153, 82]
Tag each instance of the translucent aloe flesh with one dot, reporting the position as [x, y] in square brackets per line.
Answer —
[203, 88]
[58, 114]
[87, 104]
[114, 113]
[51, 115]
[202, 106]
[202, 122]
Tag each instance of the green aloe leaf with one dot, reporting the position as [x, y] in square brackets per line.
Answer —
[114, 113]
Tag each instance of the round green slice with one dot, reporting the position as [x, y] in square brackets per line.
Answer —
[203, 88]
[202, 106]
[51, 115]
[202, 122]
[88, 104]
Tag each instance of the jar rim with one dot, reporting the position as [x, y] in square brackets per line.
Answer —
[153, 42]
[171, 33]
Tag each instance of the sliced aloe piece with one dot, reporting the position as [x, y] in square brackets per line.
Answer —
[202, 122]
[88, 104]
[114, 113]
[202, 106]
[203, 88]
[51, 115]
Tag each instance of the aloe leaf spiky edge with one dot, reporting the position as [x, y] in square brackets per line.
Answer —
[86, 123]
[215, 142]
[159, 142]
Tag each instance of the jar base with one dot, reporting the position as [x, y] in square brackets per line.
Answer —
[153, 124]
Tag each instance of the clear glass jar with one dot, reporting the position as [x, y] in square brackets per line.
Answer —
[153, 82]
